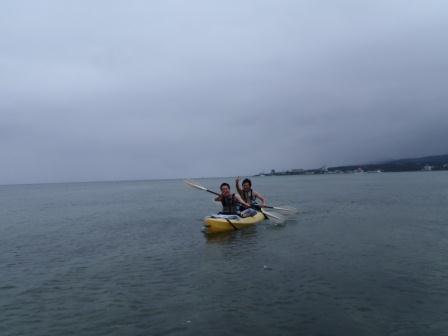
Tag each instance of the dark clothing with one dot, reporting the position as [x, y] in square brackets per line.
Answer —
[229, 205]
[248, 196]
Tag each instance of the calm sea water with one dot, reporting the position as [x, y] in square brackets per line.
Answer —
[367, 255]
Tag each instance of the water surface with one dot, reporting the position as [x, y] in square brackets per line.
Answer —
[367, 255]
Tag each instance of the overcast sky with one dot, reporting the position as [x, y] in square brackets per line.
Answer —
[110, 90]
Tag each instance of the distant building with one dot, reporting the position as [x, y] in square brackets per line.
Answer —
[272, 171]
[427, 168]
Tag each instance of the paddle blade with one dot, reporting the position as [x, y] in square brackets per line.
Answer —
[288, 210]
[194, 185]
[274, 217]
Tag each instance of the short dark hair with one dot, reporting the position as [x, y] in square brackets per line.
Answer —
[224, 184]
[247, 181]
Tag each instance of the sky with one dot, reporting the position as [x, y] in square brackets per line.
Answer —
[119, 90]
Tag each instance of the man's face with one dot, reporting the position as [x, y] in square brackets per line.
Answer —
[225, 190]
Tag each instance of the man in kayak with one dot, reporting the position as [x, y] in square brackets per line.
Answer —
[230, 202]
[248, 195]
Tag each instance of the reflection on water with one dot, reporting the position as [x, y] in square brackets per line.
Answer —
[243, 235]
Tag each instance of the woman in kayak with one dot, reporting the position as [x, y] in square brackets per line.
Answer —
[248, 195]
[230, 202]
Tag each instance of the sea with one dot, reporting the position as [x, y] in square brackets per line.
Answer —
[367, 254]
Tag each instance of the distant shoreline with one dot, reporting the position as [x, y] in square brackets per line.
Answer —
[428, 163]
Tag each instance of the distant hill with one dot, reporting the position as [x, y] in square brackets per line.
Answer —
[431, 160]
[435, 162]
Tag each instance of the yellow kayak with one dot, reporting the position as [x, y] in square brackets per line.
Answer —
[223, 223]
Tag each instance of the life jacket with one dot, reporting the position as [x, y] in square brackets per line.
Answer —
[229, 205]
[248, 196]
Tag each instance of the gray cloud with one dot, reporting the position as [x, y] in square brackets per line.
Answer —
[108, 90]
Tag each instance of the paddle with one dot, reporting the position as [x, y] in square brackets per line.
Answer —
[274, 217]
[197, 186]
[286, 209]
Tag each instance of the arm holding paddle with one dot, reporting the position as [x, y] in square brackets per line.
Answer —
[260, 197]
[240, 200]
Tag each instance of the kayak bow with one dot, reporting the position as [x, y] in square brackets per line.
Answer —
[225, 223]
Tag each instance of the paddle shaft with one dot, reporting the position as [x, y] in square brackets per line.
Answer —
[289, 210]
[212, 192]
